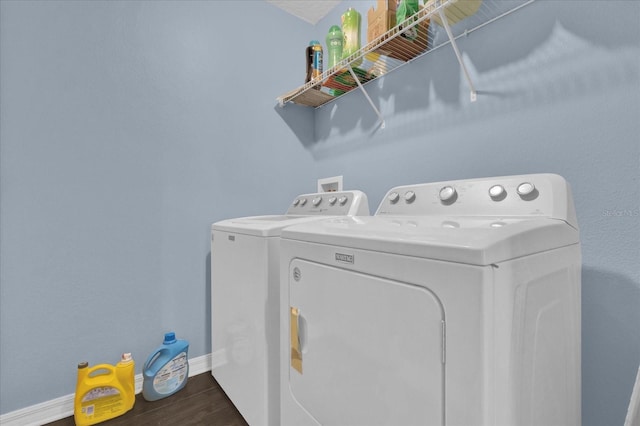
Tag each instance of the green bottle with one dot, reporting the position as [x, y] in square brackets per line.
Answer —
[351, 33]
[406, 9]
[334, 45]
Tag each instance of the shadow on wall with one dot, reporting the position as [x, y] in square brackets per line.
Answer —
[300, 120]
[562, 68]
[556, 64]
[610, 337]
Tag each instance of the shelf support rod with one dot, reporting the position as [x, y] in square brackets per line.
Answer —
[353, 74]
[445, 24]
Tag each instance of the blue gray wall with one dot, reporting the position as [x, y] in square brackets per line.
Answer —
[127, 128]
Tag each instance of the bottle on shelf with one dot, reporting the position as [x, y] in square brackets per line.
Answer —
[351, 32]
[314, 61]
[406, 9]
[335, 42]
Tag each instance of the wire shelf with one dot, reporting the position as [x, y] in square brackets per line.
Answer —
[438, 23]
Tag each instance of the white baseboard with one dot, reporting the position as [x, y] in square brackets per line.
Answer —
[59, 408]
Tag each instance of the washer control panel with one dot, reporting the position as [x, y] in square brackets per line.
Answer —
[330, 204]
[536, 195]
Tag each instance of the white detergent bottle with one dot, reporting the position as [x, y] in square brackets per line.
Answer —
[167, 369]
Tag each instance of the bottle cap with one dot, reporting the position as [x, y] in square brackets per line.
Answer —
[83, 364]
[170, 337]
[126, 357]
[334, 29]
[313, 42]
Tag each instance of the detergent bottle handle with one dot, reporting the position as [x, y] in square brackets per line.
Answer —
[90, 377]
[148, 363]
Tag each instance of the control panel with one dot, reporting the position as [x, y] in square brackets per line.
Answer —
[539, 195]
[352, 203]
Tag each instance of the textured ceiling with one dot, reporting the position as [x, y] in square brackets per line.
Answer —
[308, 10]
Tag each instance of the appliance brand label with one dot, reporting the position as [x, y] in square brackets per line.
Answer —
[344, 258]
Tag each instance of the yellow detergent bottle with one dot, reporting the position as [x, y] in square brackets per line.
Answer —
[104, 391]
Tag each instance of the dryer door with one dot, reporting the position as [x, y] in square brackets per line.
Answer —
[364, 350]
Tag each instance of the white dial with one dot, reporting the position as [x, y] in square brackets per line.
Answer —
[316, 201]
[447, 193]
[296, 202]
[497, 191]
[526, 188]
[409, 196]
[303, 201]
[342, 200]
[332, 200]
[394, 197]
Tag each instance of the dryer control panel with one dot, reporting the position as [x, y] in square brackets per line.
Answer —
[350, 203]
[535, 195]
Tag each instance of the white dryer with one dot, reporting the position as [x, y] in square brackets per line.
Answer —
[245, 279]
[458, 303]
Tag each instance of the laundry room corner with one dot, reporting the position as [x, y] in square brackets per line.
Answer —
[127, 129]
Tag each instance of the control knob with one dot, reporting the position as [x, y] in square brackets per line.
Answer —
[394, 197]
[332, 200]
[526, 189]
[342, 200]
[497, 192]
[409, 196]
[316, 201]
[448, 194]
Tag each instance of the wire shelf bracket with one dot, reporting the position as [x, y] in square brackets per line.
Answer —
[366, 95]
[452, 40]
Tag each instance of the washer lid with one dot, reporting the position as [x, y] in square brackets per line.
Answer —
[262, 226]
[476, 241]
[304, 208]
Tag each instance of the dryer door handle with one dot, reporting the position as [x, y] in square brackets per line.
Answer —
[296, 338]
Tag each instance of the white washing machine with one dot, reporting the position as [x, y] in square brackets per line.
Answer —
[245, 279]
[458, 303]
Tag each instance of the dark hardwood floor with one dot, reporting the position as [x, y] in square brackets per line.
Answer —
[201, 402]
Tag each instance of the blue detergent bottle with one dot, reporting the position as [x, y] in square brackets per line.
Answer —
[167, 369]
